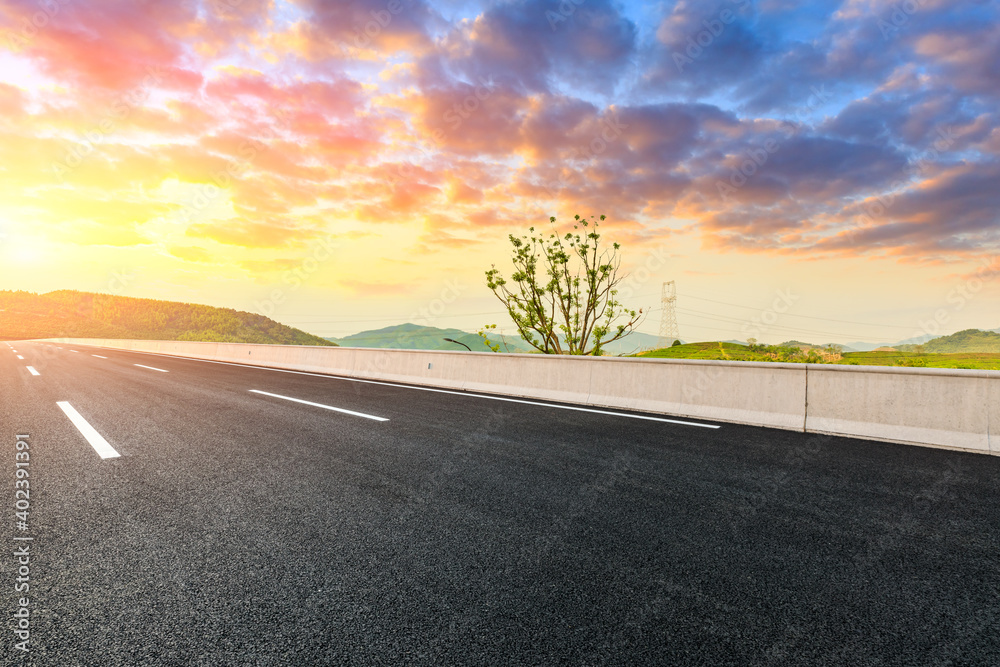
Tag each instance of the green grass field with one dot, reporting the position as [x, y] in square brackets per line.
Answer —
[981, 360]
[703, 351]
[732, 351]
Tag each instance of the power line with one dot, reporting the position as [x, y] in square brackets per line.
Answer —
[392, 319]
[809, 317]
[723, 318]
[691, 312]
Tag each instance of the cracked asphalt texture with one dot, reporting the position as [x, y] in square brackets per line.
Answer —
[239, 529]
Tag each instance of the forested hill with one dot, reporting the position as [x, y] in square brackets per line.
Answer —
[70, 314]
[969, 340]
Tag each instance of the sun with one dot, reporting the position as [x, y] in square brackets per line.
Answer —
[23, 253]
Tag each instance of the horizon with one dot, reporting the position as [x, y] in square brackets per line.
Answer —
[823, 173]
[765, 341]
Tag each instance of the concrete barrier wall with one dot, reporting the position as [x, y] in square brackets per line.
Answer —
[943, 407]
[748, 393]
[994, 417]
[957, 409]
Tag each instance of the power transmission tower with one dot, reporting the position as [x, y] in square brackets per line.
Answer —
[668, 314]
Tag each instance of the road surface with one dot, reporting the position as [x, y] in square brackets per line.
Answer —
[184, 512]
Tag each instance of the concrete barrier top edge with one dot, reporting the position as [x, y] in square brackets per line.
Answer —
[833, 368]
[905, 370]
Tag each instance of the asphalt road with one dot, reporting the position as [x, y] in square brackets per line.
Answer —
[239, 528]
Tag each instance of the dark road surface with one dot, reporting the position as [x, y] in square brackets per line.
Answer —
[240, 528]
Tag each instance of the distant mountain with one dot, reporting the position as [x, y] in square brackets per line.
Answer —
[70, 314]
[632, 343]
[416, 337]
[969, 340]
[797, 343]
[916, 340]
[859, 346]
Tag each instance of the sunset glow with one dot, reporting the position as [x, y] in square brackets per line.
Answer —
[342, 166]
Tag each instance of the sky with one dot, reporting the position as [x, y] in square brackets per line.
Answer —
[823, 171]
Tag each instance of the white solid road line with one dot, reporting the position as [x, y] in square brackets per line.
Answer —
[96, 440]
[151, 368]
[443, 391]
[320, 405]
[33, 371]
[98, 356]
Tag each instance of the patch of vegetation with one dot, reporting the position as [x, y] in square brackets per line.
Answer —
[826, 355]
[71, 314]
[983, 361]
[737, 352]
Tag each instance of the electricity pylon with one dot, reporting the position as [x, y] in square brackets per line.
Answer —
[668, 314]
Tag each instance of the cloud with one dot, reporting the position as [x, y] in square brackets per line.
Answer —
[458, 122]
[191, 253]
[537, 45]
[365, 288]
[265, 266]
[118, 46]
[253, 234]
[345, 29]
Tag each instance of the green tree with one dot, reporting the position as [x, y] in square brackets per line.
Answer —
[563, 292]
[677, 341]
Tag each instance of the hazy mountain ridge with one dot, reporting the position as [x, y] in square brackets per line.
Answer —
[966, 341]
[417, 337]
[72, 314]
